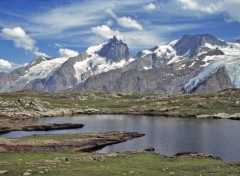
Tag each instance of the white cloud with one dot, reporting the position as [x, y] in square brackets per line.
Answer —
[126, 22]
[109, 23]
[58, 45]
[4, 64]
[129, 23]
[38, 53]
[228, 7]
[194, 5]
[21, 40]
[64, 52]
[106, 32]
[231, 7]
[150, 6]
[154, 36]
[19, 37]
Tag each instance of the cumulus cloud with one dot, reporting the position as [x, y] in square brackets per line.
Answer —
[4, 64]
[150, 6]
[126, 22]
[21, 40]
[106, 32]
[19, 37]
[64, 52]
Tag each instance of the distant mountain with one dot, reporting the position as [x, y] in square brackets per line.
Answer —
[190, 64]
[185, 65]
[58, 74]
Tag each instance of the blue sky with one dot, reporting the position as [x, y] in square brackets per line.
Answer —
[55, 28]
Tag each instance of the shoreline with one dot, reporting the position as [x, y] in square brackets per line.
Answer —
[167, 112]
[86, 142]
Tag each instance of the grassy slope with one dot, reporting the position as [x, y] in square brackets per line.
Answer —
[129, 164]
[226, 101]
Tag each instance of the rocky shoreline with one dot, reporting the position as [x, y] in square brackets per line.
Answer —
[164, 112]
[91, 143]
[41, 127]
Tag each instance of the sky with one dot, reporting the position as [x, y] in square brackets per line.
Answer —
[57, 28]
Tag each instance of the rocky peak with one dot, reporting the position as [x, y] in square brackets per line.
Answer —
[238, 41]
[115, 50]
[191, 43]
[36, 61]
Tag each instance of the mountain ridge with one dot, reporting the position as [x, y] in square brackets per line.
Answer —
[180, 66]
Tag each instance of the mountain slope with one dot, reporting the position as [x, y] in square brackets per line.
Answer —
[58, 74]
[190, 64]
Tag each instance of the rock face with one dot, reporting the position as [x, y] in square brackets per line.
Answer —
[216, 82]
[115, 50]
[50, 127]
[190, 64]
[62, 78]
[192, 43]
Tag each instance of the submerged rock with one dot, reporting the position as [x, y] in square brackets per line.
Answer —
[150, 149]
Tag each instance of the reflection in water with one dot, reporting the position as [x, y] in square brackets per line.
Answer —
[167, 135]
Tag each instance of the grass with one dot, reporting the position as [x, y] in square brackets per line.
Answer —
[36, 140]
[221, 102]
[84, 164]
[58, 137]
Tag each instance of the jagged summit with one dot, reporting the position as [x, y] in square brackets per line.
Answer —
[191, 43]
[36, 61]
[114, 50]
[238, 41]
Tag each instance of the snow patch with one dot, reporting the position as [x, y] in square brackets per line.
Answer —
[94, 49]
[147, 68]
[231, 62]
[45, 69]
[192, 64]
[95, 64]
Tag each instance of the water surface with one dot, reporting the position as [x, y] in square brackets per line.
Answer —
[167, 135]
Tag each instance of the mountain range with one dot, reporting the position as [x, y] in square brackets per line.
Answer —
[191, 64]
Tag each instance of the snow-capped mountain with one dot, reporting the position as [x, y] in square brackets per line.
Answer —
[190, 64]
[58, 74]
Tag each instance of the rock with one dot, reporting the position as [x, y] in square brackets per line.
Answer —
[46, 170]
[41, 172]
[115, 50]
[26, 174]
[2, 172]
[195, 154]
[235, 116]
[150, 149]
[99, 158]
[48, 127]
[64, 159]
